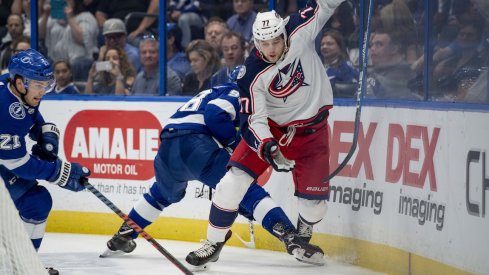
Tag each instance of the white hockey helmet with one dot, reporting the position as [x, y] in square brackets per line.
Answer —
[269, 25]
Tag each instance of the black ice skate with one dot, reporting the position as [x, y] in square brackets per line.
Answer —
[304, 230]
[207, 253]
[52, 271]
[121, 243]
[295, 245]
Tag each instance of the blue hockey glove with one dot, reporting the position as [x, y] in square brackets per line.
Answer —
[69, 175]
[271, 153]
[47, 143]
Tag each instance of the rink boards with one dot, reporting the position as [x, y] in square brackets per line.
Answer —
[411, 199]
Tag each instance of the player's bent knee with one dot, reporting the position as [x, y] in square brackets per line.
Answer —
[166, 199]
[313, 211]
[232, 188]
[36, 205]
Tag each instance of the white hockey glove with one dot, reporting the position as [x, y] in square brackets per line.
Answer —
[272, 154]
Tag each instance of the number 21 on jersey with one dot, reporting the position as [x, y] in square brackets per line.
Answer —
[8, 142]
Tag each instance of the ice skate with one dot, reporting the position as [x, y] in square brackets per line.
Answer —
[207, 253]
[121, 243]
[295, 245]
[52, 271]
[304, 230]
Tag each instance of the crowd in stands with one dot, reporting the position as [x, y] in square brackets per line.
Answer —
[207, 39]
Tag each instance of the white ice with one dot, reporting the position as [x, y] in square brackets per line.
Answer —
[78, 254]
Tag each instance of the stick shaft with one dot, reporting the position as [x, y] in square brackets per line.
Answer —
[137, 228]
[360, 93]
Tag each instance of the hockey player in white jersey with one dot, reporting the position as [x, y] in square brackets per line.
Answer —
[195, 145]
[30, 78]
[285, 97]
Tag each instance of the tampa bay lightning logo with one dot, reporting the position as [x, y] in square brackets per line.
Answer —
[288, 80]
[16, 110]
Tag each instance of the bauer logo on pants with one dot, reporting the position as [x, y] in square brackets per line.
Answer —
[113, 144]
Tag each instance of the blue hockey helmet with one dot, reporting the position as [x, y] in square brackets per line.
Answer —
[237, 73]
[31, 65]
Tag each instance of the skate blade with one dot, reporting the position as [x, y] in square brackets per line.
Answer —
[198, 268]
[110, 253]
[315, 259]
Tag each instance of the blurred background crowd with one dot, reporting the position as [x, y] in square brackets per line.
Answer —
[418, 50]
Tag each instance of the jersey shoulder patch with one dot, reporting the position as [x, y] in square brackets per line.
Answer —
[16, 110]
[242, 72]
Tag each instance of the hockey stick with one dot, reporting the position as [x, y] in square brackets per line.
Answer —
[360, 93]
[136, 227]
[251, 243]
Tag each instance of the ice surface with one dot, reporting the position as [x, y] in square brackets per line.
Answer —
[78, 254]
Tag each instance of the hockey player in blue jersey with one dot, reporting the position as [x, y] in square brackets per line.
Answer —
[30, 78]
[195, 145]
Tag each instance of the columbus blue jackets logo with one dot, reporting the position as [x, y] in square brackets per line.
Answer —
[288, 80]
[16, 110]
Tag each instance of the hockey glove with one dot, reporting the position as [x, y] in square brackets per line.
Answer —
[272, 154]
[47, 144]
[69, 175]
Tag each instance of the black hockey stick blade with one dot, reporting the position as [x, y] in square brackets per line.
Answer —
[136, 227]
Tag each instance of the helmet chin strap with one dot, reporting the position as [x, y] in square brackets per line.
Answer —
[22, 95]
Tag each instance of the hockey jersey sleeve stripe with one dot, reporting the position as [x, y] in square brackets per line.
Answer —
[196, 118]
[31, 169]
[225, 106]
[15, 163]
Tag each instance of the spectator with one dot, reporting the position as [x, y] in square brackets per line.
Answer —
[233, 49]
[291, 6]
[337, 62]
[73, 38]
[5, 11]
[396, 17]
[390, 72]
[21, 44]
[121, 8]
[214, 30]
[458, 65]
[91, 5]
[219, 8]
[115, 81]
[15, 29]
[204, 62]
[23, 7]
[187, 14]
[64, 79]
[175, 57]
[148, 79]
[242, 19]
[115, 35]
[342, 19]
